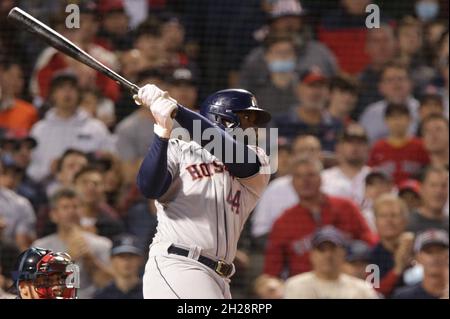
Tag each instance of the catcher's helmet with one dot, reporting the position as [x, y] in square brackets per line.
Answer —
[53, 274]
[222, 108]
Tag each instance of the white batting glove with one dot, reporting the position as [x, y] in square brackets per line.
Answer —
[162, 110]
[148, 94]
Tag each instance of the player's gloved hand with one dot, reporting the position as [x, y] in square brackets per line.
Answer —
[148, 94]
[162, 110]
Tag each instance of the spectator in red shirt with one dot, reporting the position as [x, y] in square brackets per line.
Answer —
[399, 155]
[289, 241]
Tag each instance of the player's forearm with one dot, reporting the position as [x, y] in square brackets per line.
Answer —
[247, 168]
[153, 178]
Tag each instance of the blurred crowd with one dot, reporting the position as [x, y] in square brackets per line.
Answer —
[359, 205]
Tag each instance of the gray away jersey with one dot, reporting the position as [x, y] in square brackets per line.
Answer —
[205, 206]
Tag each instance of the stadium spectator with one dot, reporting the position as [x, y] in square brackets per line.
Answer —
[65, 126]
[276, 92]
[270, 207]
[16, 114]
[51, 62]
[183, 87]
[8, 256]
[343, 98]
[434, 131]
[347, 179]
[67, 166]
[16, 153]
[95, 214]
[396, 88]
[357, 259]
[135, 132]
[346, 24]
[310, 116]
[434, 195]
[399, 155]
[89, 251]
[393, 253]
[97, 106]
[409, 192]
[114, 31]
[381, 48]
[289, 241]
[126, 261]
[148, 41]
[286, 17]
[268, 287]
[430, 104]
[18, 217]
[326, 280]
[411, 52]
[431, 249]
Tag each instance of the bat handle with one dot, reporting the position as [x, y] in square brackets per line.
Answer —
[134, 88]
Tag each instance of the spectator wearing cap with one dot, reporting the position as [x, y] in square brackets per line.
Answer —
[287, 16]
[183, 87]
[431, 249]
[357, 259]
[327, 280]
[343, 98]
[347, 179]
[434, 132]
[65, 126]
[89, 251]
[434, 195]
[393, 252]
[288, 246]
[398, 155]
[95, 214]
[16, 157]
[126, 261]
[114, 29]
[15, 114]
[396, 88]
[135, 132]
[276, 93]
[17, 215]
[409, 192]
[280, 194]
[310, 116]
[380, 47]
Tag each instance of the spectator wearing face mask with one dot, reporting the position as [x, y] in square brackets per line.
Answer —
[276, 92]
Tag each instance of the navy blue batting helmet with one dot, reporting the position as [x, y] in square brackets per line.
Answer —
[222, 108]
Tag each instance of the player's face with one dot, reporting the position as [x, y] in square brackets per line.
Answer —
[248, 119]
[28, 291]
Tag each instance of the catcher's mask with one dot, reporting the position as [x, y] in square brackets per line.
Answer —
[52, 274]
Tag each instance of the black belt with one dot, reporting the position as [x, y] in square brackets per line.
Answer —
[220, 267]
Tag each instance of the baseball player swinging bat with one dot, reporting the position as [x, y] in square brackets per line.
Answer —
[203, 200]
